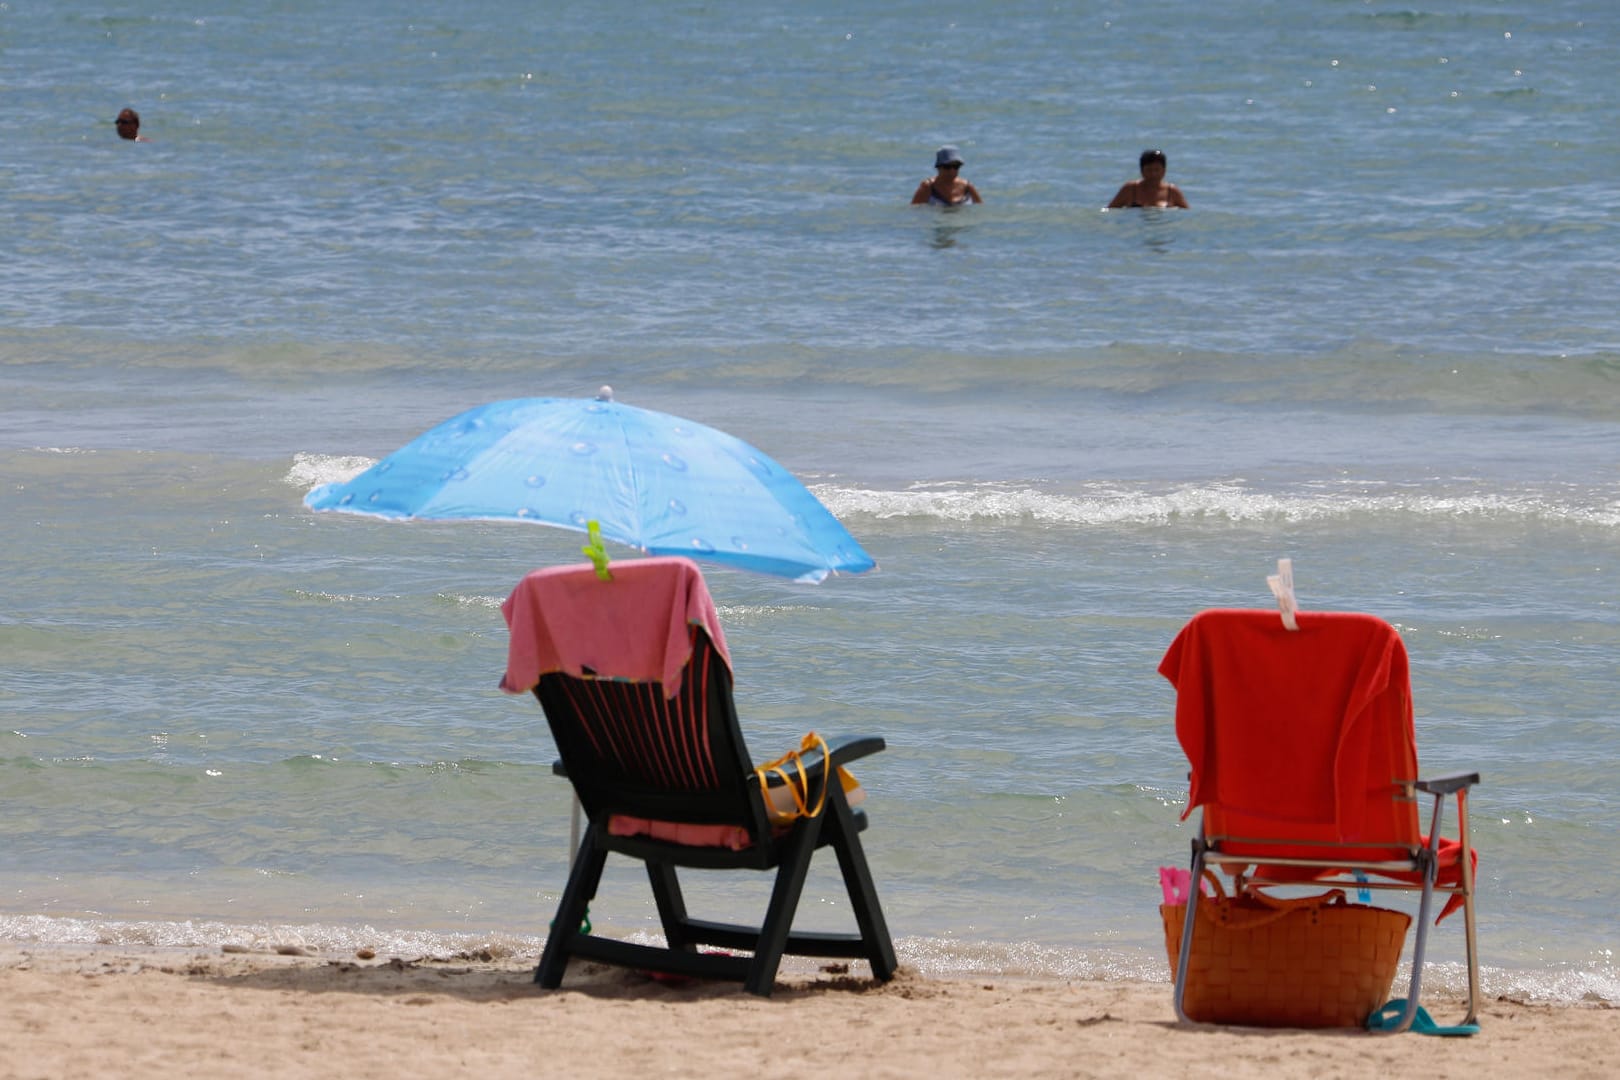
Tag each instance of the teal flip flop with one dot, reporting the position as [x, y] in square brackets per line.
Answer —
[1387, 1018]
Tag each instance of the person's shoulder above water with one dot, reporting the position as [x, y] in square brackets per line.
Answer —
[946, 187]
[1151, 188]
[128, 125]
[1133, 195]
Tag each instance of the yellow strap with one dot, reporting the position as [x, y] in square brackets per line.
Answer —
[797, 783]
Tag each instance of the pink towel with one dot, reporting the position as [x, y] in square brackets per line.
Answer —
[634, 627]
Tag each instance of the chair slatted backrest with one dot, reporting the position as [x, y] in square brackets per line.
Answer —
[1299, 735]
[630, 750]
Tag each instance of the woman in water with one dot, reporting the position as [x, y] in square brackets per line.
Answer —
[947, 188]
[1150, 190]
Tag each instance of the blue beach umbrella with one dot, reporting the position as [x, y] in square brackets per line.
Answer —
[656, 482]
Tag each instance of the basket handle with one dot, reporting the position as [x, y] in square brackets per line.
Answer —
[1279, 906]
[1334, 897]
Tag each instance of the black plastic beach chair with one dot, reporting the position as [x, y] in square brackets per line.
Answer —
[637, 758]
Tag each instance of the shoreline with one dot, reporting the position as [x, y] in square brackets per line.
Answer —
[1590, 981]
[148, 1012]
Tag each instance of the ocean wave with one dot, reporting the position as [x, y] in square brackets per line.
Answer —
[1115, 504]
[310, 471]
[1109, 504]
[1568, 370]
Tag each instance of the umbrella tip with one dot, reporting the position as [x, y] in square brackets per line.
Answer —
[604, 393]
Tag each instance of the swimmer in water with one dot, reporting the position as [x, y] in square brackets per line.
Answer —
[946, 188]
[1150, 189]
[129, 126]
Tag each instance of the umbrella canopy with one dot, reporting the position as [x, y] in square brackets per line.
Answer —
[659, 483]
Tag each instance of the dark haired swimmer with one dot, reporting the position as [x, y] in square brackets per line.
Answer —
[129, 126]
[946, 188]
[1151, 189]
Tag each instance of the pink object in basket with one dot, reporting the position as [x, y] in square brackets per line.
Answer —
[1176, 883]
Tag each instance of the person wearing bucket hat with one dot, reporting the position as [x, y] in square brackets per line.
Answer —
[946, 187]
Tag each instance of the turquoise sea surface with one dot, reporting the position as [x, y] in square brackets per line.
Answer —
[1383, 342]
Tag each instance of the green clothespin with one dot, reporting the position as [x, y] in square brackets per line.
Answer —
[584, 925]
[595, 552]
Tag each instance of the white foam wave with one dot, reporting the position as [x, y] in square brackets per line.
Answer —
[1107, 504]
[338, 598]
[312, 470]
[464, 600]
[1233, 502]
[307, 938]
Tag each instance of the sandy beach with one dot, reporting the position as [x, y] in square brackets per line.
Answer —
[97, 1011]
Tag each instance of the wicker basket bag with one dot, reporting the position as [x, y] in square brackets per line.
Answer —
[1318, 961]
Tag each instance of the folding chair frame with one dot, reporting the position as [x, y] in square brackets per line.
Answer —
[1423, 860]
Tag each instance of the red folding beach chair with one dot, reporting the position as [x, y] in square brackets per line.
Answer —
[1304, 762]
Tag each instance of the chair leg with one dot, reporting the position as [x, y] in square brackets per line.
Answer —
[773, 932]
[1194, 890]
[1466, 871]
[1420, 939]
[583, 879]
[666, 888]
[862, 890]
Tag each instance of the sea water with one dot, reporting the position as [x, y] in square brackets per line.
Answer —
[1383, 342]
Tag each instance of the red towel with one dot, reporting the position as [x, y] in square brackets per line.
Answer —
[1315, 724]
[565, 618]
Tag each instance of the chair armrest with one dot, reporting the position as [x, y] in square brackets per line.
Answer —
[1447, 785]
[848, 748]
[843, 749]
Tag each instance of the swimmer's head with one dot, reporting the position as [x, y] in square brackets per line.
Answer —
[947, 157]
[128, 124]
[1150, 156]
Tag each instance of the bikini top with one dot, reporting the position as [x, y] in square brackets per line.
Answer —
[936, 199]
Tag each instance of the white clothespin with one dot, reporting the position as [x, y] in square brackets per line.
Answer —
[1282, 587]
